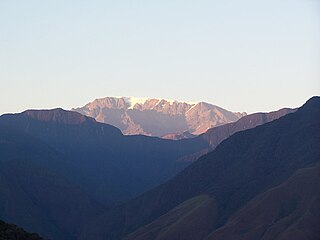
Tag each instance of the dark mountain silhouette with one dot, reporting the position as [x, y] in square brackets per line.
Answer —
[241, 169]
[55, 159]
[107, 164]
[12, 232]
[35, 193]
[56, 164]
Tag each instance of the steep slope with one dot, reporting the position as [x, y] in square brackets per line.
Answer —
[192, 219]
[239, 169]
[288, 211]
[108, 165]
[34, 192]
[157, 117]
[12, 232]
[215, 136]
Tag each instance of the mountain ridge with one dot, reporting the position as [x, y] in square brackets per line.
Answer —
[91, 147]
[216, 135]
[157, 117]
[243, 166]
[59, 143]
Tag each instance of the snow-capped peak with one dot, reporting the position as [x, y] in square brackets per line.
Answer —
[132, 101]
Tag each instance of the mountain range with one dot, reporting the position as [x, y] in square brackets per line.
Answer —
[157, 117]
[97, 155]
[261, 183]
[70, 177]
[59, 169]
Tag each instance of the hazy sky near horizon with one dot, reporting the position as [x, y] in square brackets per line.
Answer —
[243, 55]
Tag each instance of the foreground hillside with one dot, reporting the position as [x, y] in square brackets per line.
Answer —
[271, 170]
[157, 117]
[12, 232]
[287, 211]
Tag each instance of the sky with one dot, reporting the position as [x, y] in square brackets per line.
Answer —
[242, 55]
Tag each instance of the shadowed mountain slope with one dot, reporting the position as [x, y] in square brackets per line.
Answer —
[55, 162]
[290, 211]
[35, 193]
[192, 219]
[244, 166]
[216, 135]
[107, 164]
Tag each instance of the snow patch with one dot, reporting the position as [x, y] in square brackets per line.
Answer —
[193, 105]
[132, 101]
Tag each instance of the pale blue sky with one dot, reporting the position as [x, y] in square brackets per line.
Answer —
[243, 55]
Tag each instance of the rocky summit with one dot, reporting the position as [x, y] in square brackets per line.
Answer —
[157, 117]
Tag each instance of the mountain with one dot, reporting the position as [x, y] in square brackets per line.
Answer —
[288, 211]
[35, 190]
[109, 166]
[215, 136]
[243, 175]
[61, 171]
[12, 232]
[157, 117]
[67, 157]
[194, 217]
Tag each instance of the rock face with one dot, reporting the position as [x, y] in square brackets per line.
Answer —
[157, 117]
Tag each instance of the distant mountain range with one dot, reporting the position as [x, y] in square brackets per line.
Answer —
[158, 117]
